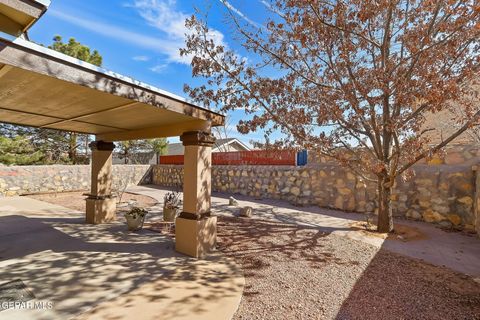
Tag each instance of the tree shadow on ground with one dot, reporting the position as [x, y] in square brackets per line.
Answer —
[366, 282]
[248, 239]
[77, 266]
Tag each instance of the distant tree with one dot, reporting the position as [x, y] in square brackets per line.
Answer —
[18, 151]
[125, 150]
[58, 146]
[77, 50]
[350, 79]
[158, 145]
[132, 150]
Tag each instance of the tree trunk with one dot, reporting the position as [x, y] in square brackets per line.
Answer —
[72, 153]
[385, 216]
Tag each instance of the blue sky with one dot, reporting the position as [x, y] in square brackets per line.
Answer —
[141, 38]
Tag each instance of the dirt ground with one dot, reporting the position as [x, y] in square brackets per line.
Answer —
[401, 233]
[76, 200]
[297, 272]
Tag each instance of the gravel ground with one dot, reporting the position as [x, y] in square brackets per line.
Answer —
[294, 272]
[76, 200]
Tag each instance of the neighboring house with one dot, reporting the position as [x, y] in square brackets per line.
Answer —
[221, 145]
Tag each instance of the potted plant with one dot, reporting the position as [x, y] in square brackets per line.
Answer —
[171, 204]
[135, 218]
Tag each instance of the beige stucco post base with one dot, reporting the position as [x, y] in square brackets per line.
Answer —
[101, 205]
[101, 210]
[195, 229]
[195, 238]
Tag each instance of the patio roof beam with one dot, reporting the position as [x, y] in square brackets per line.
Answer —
[170, 130]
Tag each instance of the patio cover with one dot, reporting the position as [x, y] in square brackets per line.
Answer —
[40, 87]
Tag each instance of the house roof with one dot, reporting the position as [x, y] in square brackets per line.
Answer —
[40, 87]
[178, 148]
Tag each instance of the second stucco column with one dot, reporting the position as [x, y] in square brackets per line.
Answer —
[195, 228]
[101, 206]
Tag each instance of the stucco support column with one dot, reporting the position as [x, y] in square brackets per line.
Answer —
[101, 204]
[195, 228]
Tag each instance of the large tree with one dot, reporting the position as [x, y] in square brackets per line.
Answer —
[77, 50]
[18, 151]
[350, 79]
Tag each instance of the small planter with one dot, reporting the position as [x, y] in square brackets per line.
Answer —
[169, 214]
[171, 203]
[135, 219]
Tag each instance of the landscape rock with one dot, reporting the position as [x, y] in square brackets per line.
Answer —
[246, 212]
[232, 201]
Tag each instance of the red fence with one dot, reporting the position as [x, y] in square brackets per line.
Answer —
[257, 157]
[171, 159]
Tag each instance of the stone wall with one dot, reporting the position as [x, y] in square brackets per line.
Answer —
[451, 155]
[476, 199]
[20, 180]
[440, 193]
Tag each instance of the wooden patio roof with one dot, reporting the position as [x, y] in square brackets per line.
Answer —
[40, 87]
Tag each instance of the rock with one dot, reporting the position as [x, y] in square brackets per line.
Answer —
[432, 216]
[455, 219]
[370, 207]
[424, 204]
[413, 214]
[350, 176]
[246, 212]
[344, 191]
[295, 191]
[339, 203]
[466, 201]
[232, 201]
[445, 224]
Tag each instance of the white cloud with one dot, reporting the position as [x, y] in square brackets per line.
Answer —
[158, 68]
[162, 15]
[162, 46]
[141, 58]
[240, 14]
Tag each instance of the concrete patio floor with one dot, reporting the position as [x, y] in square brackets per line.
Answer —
[105, 272]
[453, 250]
